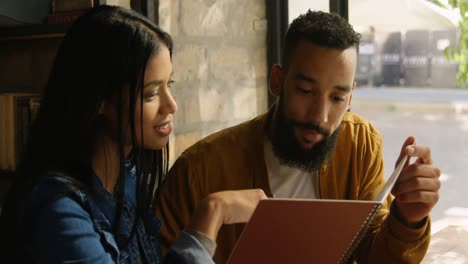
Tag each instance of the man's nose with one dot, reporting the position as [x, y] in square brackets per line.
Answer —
[318, 112]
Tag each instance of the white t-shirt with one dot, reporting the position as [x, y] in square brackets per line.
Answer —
[286, 181]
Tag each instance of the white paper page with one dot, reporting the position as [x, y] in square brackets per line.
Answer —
[391, 181]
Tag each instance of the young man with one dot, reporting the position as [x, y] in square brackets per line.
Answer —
[308, 145]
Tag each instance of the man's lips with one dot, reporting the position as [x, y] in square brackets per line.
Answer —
[311, 135]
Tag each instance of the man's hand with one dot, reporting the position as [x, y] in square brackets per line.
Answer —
[417, 188]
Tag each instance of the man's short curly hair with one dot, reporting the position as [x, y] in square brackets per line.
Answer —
[320, 28]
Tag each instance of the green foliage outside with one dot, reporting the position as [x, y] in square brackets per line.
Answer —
[459, 54]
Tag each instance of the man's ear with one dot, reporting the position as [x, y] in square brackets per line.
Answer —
[276, 80]
[351, 96]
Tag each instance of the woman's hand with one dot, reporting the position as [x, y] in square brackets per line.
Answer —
[226, 207]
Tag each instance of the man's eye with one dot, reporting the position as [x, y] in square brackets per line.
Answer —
[338, 98]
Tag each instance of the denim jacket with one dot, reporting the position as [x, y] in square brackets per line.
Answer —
[77, 227]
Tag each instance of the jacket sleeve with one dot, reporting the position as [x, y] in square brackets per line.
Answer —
[388, 240]
[66, 233]
[179, 199]
[187, 249]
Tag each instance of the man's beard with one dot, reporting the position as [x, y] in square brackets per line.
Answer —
[287, 148]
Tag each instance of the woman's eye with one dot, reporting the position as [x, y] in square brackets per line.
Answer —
[170, 83]
[302, 90]
[151, 96]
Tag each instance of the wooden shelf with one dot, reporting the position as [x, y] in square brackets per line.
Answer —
[33, 32]
[8, 175]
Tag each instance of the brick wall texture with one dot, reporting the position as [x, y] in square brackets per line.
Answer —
[220, 64]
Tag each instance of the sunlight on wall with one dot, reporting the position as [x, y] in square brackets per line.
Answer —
[297, 7]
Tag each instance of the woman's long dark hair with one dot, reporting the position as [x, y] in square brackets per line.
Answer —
[102, 57]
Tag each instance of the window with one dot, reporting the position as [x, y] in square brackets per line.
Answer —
[406, 86]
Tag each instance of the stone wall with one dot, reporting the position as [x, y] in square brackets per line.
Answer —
[220, 64]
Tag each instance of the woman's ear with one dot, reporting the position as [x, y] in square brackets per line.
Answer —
[107, 109]
[103, 108]
[276, 80]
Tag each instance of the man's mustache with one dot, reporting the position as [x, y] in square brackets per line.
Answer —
[310, 126]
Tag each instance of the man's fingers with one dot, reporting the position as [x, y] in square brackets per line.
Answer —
[408, 142]
[417, 184]
[418, 170]
[423, 153]
[425, 197]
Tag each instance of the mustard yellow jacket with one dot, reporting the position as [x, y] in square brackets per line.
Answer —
[233, 159]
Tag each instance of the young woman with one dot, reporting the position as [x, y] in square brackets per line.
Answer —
[98, 152]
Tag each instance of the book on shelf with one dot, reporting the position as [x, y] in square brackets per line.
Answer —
[65, 17]
[17, 112]
[73, 5]
[308, 230]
